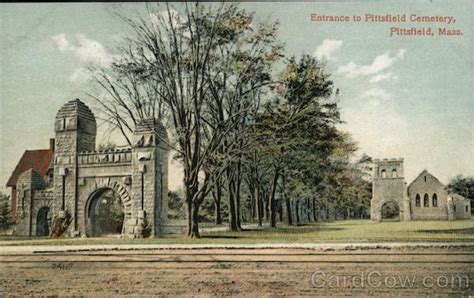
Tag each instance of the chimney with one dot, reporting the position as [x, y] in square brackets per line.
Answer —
[51, 144]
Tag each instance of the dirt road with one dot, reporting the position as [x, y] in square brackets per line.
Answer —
[239, 271]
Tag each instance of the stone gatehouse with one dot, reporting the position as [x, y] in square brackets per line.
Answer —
[425, 198]
[81, 181]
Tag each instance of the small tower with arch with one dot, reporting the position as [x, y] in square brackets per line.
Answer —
[389, 188]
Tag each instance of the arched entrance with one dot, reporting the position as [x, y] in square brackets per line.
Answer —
[390, 211]
[104, 213]
[43, 222]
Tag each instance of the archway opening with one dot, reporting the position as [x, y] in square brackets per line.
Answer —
[390, 211]
[43, 222]
[105, 213]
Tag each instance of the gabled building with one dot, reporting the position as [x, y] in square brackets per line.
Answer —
[41, 161]
[428, 197]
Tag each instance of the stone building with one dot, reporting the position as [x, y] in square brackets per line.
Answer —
[389, 188]
[82, 181]
[428, 198]
[425, 198]
[38, 160]
[460, 207]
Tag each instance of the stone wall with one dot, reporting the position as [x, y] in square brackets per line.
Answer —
[427, 184]
[28, 183]
[81, 174]
[41, 199]
[389, 186]
[461, 207]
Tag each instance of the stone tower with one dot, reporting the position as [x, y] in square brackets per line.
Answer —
[389, 186]
[75, 131]
[149, 173]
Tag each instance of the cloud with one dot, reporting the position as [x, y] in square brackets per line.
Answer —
[87, 50]
[61, 42]
[375, 121]
[79, 75]
[383, 77]
[92, 51]
[327, 48]
[375, 96]
[380, 63]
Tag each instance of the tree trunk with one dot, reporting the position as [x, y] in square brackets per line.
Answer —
[308, 209]
[289, 217]
[315, 216]
[192, 211]
[272, 200]
[297, 209]
[327, 211]
[252, 200]
[217, 207]
[232, 209]
[259, 207]
[237, 195]
[217, 195]
[266, 198]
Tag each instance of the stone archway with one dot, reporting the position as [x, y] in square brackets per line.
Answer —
[105, 213]
[95, 188]
[43, 221]
[390, 211]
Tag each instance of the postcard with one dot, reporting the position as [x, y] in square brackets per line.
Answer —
[312, 148]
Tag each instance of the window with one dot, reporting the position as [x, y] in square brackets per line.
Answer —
[426, 200]
[425, 178]
[394, 173]
[434, 200]
[384, 174]
[467, 208]
[454, 208]
[418, 200]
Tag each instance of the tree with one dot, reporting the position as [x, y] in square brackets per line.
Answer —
[171, 68]
[463, 186]
[4, 210]
[175, 205]
[246, 52]
[297, 131]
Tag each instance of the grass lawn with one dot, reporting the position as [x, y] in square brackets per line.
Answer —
[327, 232]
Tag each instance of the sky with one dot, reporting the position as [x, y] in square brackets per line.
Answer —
[400, 96]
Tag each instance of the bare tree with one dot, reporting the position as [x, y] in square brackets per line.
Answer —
[169, 68]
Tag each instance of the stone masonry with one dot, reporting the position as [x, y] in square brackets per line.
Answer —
[425, 198]
[138, 175]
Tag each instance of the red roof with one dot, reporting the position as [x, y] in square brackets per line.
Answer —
[39, 160]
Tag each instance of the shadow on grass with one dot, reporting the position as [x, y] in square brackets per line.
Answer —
[304, 230]
[219, 237]
[452, 231]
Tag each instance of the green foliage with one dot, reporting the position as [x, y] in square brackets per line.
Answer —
[297, 135]
[210, 72]
[463, 186]
[175, 205]
[145, 228]
[4, 210]
[390, 211]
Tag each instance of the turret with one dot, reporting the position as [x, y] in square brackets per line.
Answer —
[388, 187]
[75, 127]
[149, 173]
